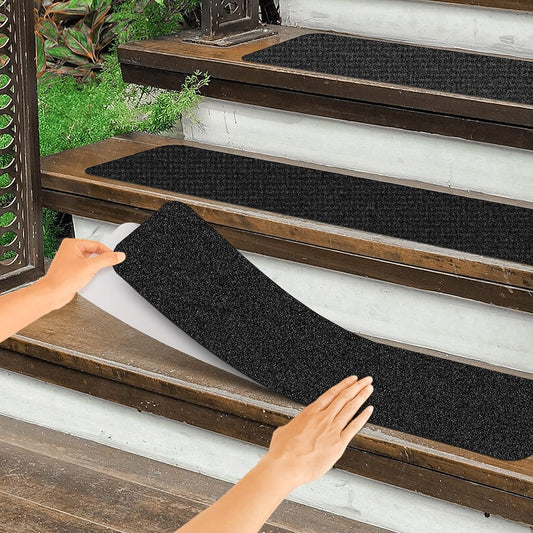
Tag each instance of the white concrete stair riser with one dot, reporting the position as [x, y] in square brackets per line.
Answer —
[443, 25]
[449, 324]
[229, 459]
[406, 155]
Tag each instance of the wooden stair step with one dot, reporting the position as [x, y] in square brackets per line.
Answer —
[54, 482]
[21, 515]
[122, 365]
[68, 188]
[164, 62]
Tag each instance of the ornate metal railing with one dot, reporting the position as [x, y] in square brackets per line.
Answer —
[21, 249]
[227, 22]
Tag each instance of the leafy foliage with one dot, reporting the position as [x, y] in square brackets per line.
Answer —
[145, 19]
[80, 107]
[71, 37]
[73, 114]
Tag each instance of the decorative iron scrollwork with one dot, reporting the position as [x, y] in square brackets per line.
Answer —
[223, 17]
[232, 8]
[20, 217]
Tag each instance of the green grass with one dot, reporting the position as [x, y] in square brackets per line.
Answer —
[73, 114]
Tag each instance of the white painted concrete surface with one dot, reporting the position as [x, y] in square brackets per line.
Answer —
[229, 459]
[446, 161]
[486, 30]
[420, 318]
[87, 228]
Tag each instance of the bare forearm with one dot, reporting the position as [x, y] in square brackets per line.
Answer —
[300, 451]
[249, 503]
[75, 264]
[21, 307]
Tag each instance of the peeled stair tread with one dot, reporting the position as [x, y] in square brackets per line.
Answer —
[192, 275]
[119, 353]
[58, 481]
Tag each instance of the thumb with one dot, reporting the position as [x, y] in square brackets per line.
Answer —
[106, 259]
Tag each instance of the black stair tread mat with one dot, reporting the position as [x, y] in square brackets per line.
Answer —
[445, 220]
[471, 74]
[191, 274]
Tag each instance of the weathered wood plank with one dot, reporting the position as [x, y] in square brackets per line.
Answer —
[487, 292]
[20, 515]
[106, 485]
[93, 496]
[114, 365]
[341, 108]
[68, 188]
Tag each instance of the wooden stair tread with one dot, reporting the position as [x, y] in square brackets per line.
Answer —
[163, 61]
[61, 483]
[125, 366]
[22, 515]
[68, 188]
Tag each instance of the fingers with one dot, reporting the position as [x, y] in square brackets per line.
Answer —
[91, 247]
[324, 400]
[106, 259]
[352, 406]
[356, 425]
[106, 256]
[347, 395]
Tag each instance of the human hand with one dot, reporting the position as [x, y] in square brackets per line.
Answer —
[305, 448]
[73, 267]
[300, 451]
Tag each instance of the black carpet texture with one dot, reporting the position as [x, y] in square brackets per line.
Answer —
[445, 220]
[448, 71]
[190, 273]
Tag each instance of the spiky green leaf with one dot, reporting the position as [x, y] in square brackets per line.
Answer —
[61, 52]
[49, 30]
[67, 8]
[79, 42]
[41, 55]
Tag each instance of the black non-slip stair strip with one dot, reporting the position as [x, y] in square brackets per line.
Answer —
[445, 220]
[471, 74]
[190, 273]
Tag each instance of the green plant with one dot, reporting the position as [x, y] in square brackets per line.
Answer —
[54, 226]
[71, 37]
[145, 19]
[75, 110]
[73, 114]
